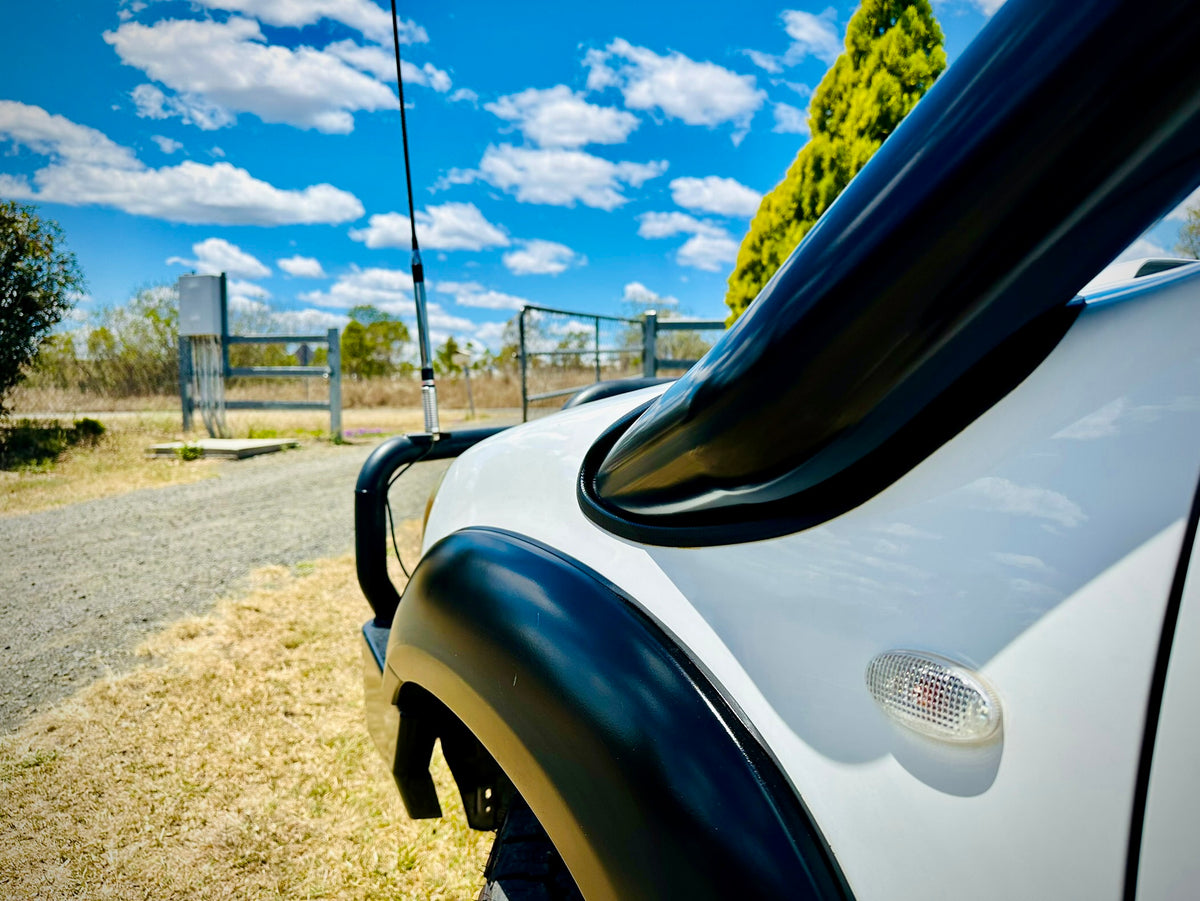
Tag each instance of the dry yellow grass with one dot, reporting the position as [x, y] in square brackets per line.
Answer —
[117, 464]
[233, 765]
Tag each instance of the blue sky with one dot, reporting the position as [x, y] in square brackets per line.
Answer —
[569, 155]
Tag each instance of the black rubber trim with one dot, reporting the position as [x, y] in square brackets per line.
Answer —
[991, 378]
[370, 506]
[1158, 684]
[644, 775]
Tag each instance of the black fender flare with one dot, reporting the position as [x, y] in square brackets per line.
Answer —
[644, 776]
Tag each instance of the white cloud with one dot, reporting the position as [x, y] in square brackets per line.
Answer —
[381, 63]
[708, 248]
[790, 120]
[637, 293]
[557, 176]
[216, 255]
[227, 67]
[988, 7]
[812, 35]
[247, 292]
[361, 15]
[713, 194]
[558, 117]
[473, 294]
[1002, 496]
[538, 257]
[450, 226]
[87, 168]
[302, 267]
[490, 333]
[698, 93]
[388, 289]
[664, 225]
[49, 135]
[465, 94]
[709, 252]
[152, 103]
[765, 61]
[166, 145]
[1142, 247]
[306, 321]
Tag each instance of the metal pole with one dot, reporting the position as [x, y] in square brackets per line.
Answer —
[335, 386]
[224, 328]
[185, 380]
[650, 344]
[597, 348]
[470, 397]
[428, 387]
[521, 351]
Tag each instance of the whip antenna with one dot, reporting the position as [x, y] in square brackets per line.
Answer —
[428, 388]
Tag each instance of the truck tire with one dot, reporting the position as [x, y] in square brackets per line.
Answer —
[524, 865]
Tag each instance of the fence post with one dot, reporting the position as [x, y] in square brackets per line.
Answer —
[650, 344]
[335, 386]
[521, 352]
[185, 380]
[597, 348]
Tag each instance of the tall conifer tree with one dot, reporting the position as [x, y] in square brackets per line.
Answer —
[893, 56]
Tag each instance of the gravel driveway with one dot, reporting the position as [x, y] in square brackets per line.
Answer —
[81, 586]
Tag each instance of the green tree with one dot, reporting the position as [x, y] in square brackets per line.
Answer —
[443, 358]
[893, 56]
[38, 280]
[1189, 235]
[373, 344]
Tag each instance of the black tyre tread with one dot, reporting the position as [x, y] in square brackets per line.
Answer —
[524, 865]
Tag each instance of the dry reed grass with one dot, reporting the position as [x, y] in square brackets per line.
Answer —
[233, 765]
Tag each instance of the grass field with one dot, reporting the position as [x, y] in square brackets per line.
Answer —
[234, 764]
[118, 463]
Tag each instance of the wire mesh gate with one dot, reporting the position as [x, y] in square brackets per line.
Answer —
[559, 348]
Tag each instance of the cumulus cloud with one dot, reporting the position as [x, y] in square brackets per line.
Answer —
[362, 15]
[219, 69]
[388, 289]
[790, 120]
[466, 95]
[302, 267]
[987, 7]
[559, 117]
[637, 293]
[538, 257]
[713, 194]
[473, 294]
[709, 248]
[698, 93]
[557, 176]
[166, 145]
[450, 226]
[381, 63]
[1002, 496]
[86, 168]
[216, 255]
[812, 35]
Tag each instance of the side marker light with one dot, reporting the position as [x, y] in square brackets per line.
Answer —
[934, 696]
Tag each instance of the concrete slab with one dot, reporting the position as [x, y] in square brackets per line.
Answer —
[227, 448]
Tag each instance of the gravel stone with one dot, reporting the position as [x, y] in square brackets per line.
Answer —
[83, 585]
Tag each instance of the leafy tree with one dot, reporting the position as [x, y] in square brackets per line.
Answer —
[373, 344]
[38, 278]
[443, 358]
[1189, 235]
[893, 56]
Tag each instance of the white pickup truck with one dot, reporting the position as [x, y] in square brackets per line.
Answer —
[892, 595]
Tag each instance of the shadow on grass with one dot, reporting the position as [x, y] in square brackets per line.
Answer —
[30, 444]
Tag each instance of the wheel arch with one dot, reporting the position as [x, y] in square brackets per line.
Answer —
[642, 773]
